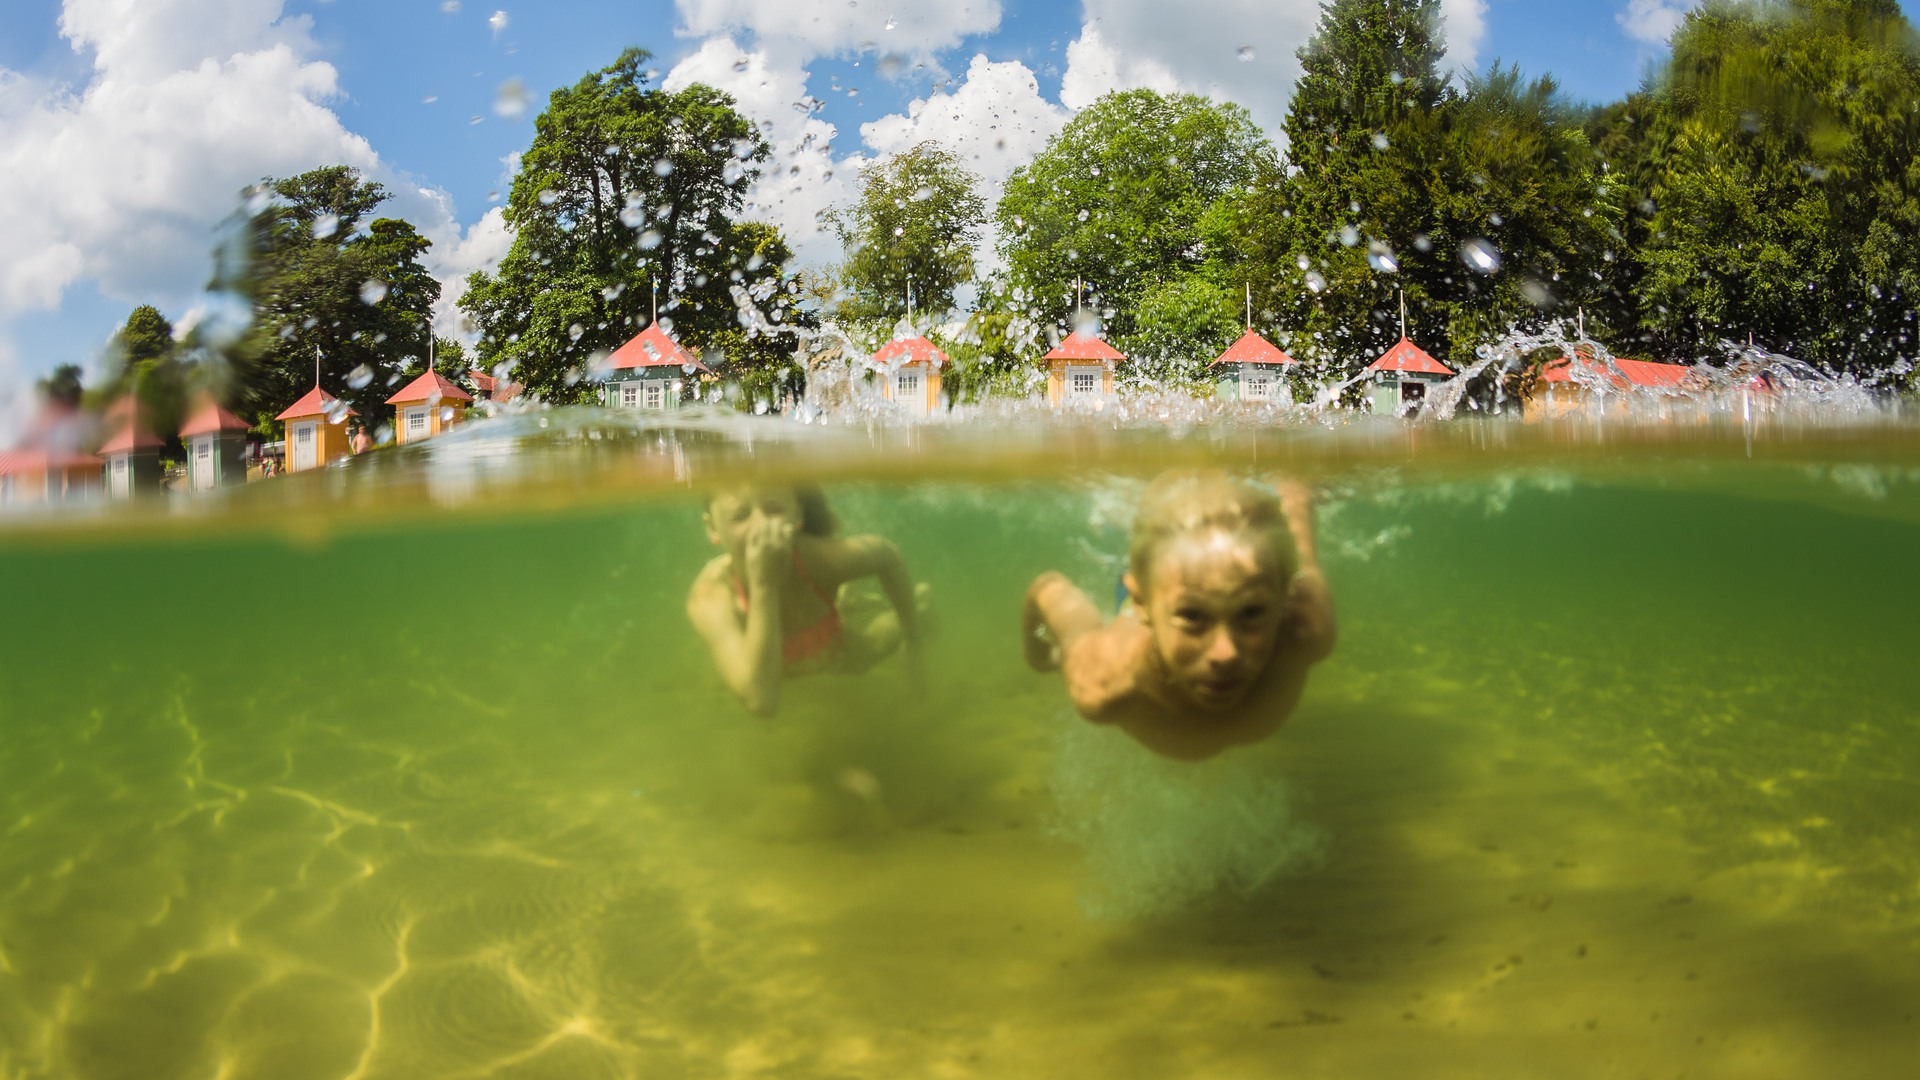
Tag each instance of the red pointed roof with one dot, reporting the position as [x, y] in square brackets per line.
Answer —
[211, 419]
[652, 347]
[430, 386]
[910, 350]
[43, 458]
[1644, 373]
[1080, 345]
[129, 433]
[1406, 356]
[1253, 349]
[315, 403]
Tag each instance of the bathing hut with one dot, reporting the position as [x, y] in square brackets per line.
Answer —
[50, 463]
[909, 370]
[216, 442]
[1402, 374]
[1080, 369]
[650, 371]
[1252, 369]
[1562, 388]
[131, 453]
[426, 407]
[316, 430]
[497, 390]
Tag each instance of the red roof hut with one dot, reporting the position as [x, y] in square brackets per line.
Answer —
[421, 409]
[1081, 369]
[1402, 374]
[1250, 369]
[131, 453]
[216, 442]
[650, 371]
[316, 430]
[909, 370]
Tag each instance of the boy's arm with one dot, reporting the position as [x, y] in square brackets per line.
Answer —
[747, 657]
[1309, 600]
[1101, 662]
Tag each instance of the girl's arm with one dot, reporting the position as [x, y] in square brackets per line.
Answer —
[878, 557]
[748, 656]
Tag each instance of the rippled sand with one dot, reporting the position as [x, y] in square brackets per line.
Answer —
[1626, 822]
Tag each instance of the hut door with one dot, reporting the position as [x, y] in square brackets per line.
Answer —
[120, 487]
[203, 463]
[305, 452]
[416, 423]
[907, 391]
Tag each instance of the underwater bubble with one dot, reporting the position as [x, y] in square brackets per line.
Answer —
[1380, 141]
[511, 100]
[373, 291]
[325, 226]
[1480, 256]
[663, 167]
[1245, 53]
[1382, 258]
[359, 377]
[650, 239]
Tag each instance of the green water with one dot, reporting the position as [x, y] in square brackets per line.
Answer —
[1615, 772]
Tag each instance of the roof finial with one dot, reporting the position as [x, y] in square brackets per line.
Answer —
[909, 303]
[429, 348]
[1583, 321]
[655, 286]
[1249, 307]
[1403, 313]
[316, 367]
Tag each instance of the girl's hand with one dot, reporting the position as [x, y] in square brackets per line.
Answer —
[769, 548]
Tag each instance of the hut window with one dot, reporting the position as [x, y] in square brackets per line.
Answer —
[1412, 391]
[1083, 382]
[416, 422]
[909, 383]
[629, 395]
[656, 397]
[1256, 386]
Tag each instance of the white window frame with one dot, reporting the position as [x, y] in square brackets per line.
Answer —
[416, 421]
[308, 433]
[1094, 388]
[654, 396]
[1256, 385]
[202, 462]
[629, 395]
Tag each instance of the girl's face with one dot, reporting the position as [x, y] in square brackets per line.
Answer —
[1214, 608]
[733, 515]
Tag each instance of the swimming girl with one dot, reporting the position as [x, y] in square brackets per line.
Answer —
[773, 605]
[1226, 610]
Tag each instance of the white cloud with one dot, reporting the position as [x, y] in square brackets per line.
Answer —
[801, 178]
[1653, 21]
[1466, 28]
[823, 27]
[121, 182]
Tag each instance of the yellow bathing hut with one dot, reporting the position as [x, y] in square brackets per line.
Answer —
[131, 452]
[216, 443]
[427, 406]
[316, 430]
[1562, 387]
[909, 370]
[1080, 370]
[50, 464]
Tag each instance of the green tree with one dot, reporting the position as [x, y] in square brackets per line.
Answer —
[62, 386]
[1775, 164]
[1116, 199]
[1484, 205]
[323, 288]
[915, 227]
[627, 198]
[145, 361]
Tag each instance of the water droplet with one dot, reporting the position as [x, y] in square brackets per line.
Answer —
[1382, 258]
[373, 291]
[325, 226]
[1422, 243]
[1083, 215]
[760, 408]
[511, 100]
[1095, 170]
[732, 171]
[892, 22]
[548, 196]
[890, 65]
[650, 239]
[899, 230]
[741, 64]
[359, 377]
[1349, 236]
[743, 148]
[574, 331]
[1245, 53]
[498, 21]
[1380, 141]
[663, 167]
[1315, 281]
[337, 411]
[1302, 262]
[450, 6]
[1480, 256]
[633, 215]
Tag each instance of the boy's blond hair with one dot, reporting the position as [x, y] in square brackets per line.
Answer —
[1181, 503]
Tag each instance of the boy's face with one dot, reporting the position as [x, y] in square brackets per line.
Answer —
[733, 515]
[1214, 607]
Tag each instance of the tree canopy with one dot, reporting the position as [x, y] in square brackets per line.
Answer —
[629, 197]
[915, 227]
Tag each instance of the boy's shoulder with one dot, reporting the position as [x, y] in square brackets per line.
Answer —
[1107, 670]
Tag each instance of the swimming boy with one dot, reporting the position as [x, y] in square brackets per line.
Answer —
[1227, 610]
[771, 606]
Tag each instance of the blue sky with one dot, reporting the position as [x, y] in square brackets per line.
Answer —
[127, 126]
